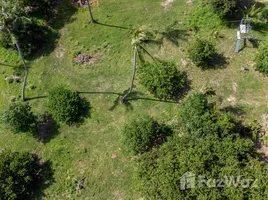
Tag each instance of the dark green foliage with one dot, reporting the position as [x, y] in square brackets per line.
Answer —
[163, 79]
[31, 36]
[143, 134]
[19, 173]
[202, 17]
[159, 172]
[19, 117]
[23, 23]
[220, 152]
[229, 8]
[262, 58]
[39, 8]
[65, 105]
[197, 118]
[222, 7]
[201, 53]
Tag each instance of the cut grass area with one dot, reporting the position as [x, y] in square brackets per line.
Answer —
[86, 150]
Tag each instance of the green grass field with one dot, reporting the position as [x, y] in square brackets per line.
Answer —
[85, 150]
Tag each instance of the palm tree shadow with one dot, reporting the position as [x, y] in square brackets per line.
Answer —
[63, 14]
[114, 26]
[173, 36]
[7, 65]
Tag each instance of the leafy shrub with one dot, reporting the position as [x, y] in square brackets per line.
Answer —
[142, 135]
[198, 119]
[201, 53]
[202, 17]
[30, 34]
[160, 172]
[229, 8]
[65, 105]
[222, 7]
[45, 8]
[19, 117]
[262, 58]
[163, 80]
[18, 175]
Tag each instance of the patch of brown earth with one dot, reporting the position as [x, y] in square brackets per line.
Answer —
[86, 59]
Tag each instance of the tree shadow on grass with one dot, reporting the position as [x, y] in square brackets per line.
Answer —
[238, 111]
[84, 113]
[46, 128]
[219, 61]
[173, 36]
[64, 12]
[45, 179]
[114, 26]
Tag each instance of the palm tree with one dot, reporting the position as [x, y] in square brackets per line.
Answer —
[140, 36]
[9, 20]
[90, 12]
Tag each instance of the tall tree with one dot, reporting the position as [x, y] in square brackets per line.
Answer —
[90, 12]
[140, 36]
[11, 16]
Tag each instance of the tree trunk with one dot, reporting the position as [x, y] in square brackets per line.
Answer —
[26, 72]
[90, 13]
[133, 75]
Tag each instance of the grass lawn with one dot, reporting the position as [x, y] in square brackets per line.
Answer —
[86, 150]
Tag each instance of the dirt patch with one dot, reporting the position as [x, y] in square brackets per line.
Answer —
[167, 4]
[86, 59]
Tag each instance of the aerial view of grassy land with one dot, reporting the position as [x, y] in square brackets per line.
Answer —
[196, 105]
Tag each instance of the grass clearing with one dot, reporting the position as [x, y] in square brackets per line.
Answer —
[86, 150]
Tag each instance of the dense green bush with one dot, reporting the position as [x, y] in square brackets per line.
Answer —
[19, 117]
[30, 34]
[198, 118]
[19, 173]
[221, 152]
[202, 17]
[222, 7]
[163, 79]
[143, 134]
[23, 22]
[159, 173]
[201, 53]
[229, 8]
[262, 58]
[65, 105]
[40, 8]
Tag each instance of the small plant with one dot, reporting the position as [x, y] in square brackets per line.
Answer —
[201, 53]
[163, 79]
[262, 58]
[65, 105]
[19, 117]
[18, 174]
[142, 135]
[265, 140]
